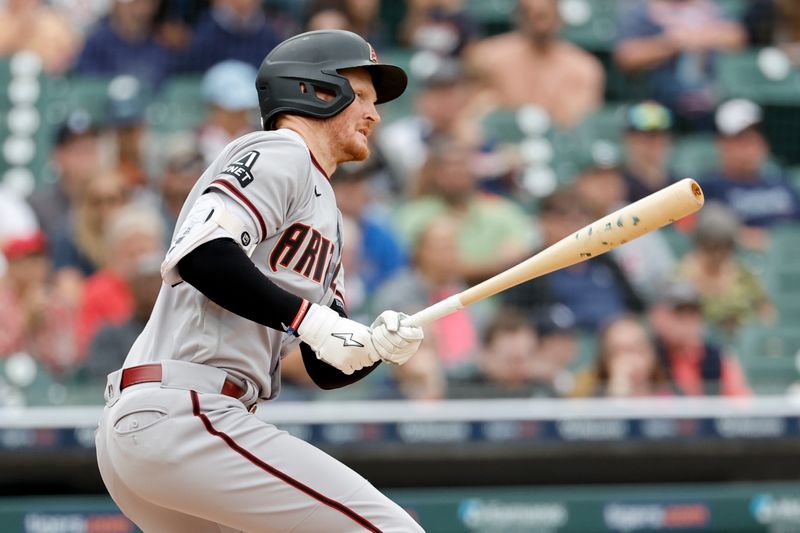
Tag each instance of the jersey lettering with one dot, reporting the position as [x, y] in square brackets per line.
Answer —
[242, 168]
[312, 261]
[306, 262]
[288, 245]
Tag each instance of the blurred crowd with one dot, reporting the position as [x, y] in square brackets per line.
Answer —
[445, 201]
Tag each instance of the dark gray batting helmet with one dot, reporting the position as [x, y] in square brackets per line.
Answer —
[289, 73]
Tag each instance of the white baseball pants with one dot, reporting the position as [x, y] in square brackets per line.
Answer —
[178, 460]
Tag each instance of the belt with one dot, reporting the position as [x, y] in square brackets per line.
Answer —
[151, 373]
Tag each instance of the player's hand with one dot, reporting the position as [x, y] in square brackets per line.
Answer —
[395, 342]
[340, 342]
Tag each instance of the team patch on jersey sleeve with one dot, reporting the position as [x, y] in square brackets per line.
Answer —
[242, 168]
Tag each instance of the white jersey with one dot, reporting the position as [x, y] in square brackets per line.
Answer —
[269, 184]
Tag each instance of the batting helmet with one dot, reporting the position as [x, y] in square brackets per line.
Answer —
[288, 75]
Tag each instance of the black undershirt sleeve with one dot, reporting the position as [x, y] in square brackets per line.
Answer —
[225, 275]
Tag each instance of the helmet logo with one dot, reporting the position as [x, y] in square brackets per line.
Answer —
[372, 55]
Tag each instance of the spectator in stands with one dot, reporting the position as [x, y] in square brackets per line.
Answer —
[110, 346]
[440, 110]
[510, 364]
[774, 23]
[759, 193]
[328, 18]
[594, 291]
[647, 261]
[532, 66]
[17, 220]
[647, 141]
[695, 365]
[80, 245]
[230, 30]
[228, 90]
[75, 158]
[126, 105]
[124, 43]
[37, 317]
[674, 42]
[380, 252]
[731, 294]
[626, 363]
[433, 276]
[440, 26]
[133, 234]
[183, 166]
[558, 341]
[359, 16]
[493, 233]
[32, 25]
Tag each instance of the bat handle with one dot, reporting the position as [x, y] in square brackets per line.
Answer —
[435, 312]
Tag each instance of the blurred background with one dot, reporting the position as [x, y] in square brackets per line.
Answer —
[651, 388]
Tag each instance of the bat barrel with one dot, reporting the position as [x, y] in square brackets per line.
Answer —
[643, 216]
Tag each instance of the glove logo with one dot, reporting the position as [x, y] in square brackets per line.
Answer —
[347, 339]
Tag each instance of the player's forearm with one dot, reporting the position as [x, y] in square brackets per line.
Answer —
[225, 275]
[645, 53]
[326, 376]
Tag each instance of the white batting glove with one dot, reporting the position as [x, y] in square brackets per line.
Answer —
[395, 342]
[340, 342]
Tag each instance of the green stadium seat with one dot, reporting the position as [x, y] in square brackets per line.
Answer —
[770, 356]
[740, 76]
[179, 106]
[591, 24]
[693, 156]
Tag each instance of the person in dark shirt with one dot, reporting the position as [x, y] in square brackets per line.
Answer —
[124, 43]
[112, 343]
[231, 29]
[647, 142]
[594, 291]
[756, 189]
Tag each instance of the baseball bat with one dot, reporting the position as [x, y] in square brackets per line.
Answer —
[634, 220]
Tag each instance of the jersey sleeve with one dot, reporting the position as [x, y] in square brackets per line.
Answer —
[267, 180]
[213, 216]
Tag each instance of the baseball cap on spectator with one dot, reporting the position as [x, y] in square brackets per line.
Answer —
[717, 226]
[182, 153]
[555, 319]
[432, 70]
[735, 116]
[78, 123]
[18, 247]
[648, 116]
[126, 102]
[678, 294]
[231, 86]
[602, 154]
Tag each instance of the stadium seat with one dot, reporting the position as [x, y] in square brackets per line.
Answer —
[769, 356]
[741, 76]
[179, 106]
[693, 156]
[591, 24]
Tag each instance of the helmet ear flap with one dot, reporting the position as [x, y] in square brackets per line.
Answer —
[299, 96]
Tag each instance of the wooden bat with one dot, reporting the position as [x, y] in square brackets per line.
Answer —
[643, 216]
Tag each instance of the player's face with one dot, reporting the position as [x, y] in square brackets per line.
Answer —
[350, 129]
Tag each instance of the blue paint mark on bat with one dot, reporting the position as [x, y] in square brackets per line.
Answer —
[590, 232]
[608, 226]
[635, 220]
[619, 222]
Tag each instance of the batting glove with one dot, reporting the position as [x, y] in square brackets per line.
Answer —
[395, 342]
[340, 342]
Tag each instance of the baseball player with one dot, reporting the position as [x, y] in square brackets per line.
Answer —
[254, 270]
